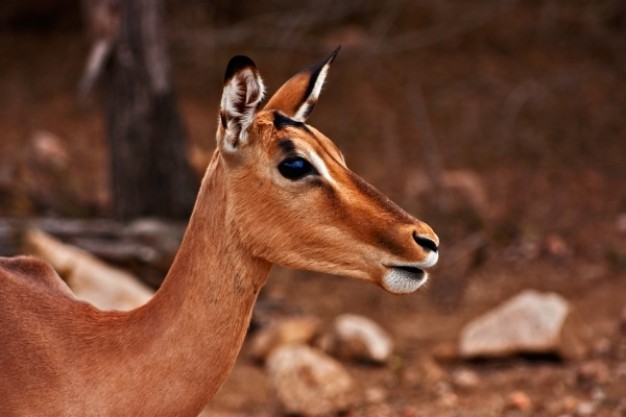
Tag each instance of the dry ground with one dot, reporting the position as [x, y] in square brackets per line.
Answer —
[532, 101]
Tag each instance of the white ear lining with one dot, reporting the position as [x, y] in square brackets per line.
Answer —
[307, 106]
[240, 98]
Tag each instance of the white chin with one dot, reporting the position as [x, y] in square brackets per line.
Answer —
[400, 281]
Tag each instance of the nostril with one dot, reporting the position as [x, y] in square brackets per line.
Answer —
[425, 242]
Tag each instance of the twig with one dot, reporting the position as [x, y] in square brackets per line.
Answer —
[100, 51]
[102, 17]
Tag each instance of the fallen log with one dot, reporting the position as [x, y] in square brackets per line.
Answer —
[145, 247]
[90, 279]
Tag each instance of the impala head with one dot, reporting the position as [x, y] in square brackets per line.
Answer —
[291, 197]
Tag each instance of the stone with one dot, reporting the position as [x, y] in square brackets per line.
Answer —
[308, 382]
[445, 352]
[587, 408]
[465, 379]
[284, 331]
[359, 338]
[519, 400]
[90, 279]
[531, 322]
[375, 395]
[48, 150]
[556, 246]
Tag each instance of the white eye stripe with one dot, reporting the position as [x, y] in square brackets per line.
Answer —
[320, 166]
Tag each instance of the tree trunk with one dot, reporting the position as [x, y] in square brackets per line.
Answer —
[150, 173]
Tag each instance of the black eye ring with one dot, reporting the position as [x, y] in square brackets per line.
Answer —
[295, 168]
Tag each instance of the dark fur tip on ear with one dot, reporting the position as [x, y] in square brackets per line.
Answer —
[236, 64]
[333, 54]
[317, 67]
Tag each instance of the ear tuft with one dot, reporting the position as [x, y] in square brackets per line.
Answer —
[243, 91]
[298, 96]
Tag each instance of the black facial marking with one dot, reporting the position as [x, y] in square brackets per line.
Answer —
[287, 145]
[281, 121]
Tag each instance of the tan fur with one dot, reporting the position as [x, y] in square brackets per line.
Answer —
[62, 357]
[289, 96]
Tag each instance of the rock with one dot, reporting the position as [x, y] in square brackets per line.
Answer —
[47, 149]
[309, 382]
[465, 379]
[530, 322]
[45, 174]
[556, 246]
[445, 352]
[285, 331]
[375, 395]
[587, 408]
[519, 400]
[357, 337]
[90, 279]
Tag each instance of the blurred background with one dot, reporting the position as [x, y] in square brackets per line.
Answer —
[500, 123]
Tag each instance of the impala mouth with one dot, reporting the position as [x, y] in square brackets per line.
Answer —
[411, 270]
[401, 279]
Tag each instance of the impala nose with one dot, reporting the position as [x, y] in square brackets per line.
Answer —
[426, 243]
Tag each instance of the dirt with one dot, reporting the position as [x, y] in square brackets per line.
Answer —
[531, 102]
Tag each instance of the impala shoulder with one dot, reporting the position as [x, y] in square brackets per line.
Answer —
[32, 271]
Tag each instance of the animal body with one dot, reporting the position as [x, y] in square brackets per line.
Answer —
[276, 191]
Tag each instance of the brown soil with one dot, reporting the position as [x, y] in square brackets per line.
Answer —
[532, 102]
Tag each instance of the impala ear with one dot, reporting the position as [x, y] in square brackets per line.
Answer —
[243, 91]
[297, 97]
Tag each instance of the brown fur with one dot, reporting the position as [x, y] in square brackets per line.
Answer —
[62, 357]
[289, 96]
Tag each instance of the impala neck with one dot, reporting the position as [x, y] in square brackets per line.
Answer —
[205, 303]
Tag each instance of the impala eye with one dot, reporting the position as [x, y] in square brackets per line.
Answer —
[296, 168]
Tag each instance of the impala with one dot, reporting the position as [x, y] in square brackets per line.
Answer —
[276, 191]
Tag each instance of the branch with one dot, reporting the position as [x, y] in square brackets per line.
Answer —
[102, 17]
